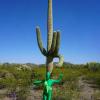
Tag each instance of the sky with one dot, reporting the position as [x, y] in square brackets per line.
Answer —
[78, 21]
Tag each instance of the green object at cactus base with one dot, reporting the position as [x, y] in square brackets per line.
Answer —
[48, 83]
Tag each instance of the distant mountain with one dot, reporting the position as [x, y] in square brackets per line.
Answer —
[67, 63]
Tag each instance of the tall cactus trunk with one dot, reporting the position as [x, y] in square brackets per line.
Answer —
[49, 64]
[49, 60]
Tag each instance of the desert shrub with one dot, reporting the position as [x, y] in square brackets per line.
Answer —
[15, 81]
[93, 66]
[67, 91]
[94, 77]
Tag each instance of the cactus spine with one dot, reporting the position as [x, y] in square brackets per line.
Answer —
[53, 42]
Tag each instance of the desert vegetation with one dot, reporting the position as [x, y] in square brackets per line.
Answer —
[16, 81]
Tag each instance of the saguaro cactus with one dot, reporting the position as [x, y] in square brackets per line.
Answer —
[53, 42]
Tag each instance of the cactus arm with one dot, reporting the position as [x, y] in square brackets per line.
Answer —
[39, 40]
[61, 60]
[53, 43]
[57, 43]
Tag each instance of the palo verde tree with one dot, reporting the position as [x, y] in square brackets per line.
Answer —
[53, 42]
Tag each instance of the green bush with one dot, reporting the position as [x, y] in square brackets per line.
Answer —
[93, 66]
